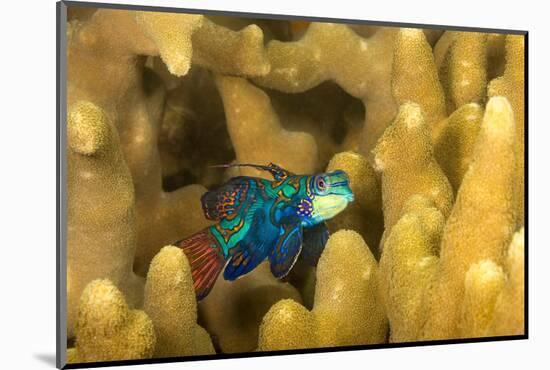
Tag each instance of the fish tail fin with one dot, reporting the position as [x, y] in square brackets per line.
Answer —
[205, 259]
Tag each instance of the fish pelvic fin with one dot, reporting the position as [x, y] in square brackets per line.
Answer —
[252, 249]
[284, 254]
[315, 239]
[206, 260]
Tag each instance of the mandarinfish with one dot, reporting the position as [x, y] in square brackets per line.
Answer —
[259, 219]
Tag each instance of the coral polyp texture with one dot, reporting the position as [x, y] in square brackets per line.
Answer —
[170, 303]
[456, 265]
[233, 311]
[107, 329]
[364, 215]
[428, 126]
[346, 310]
[94, 164]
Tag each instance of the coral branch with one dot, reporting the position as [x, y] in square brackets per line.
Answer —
[404, 157]
[482, 220]
[108, 330]
[347, 309]
[512, 86]
[456, 295]
[361, 66]
[454, 144]
[233, 311]
[462, 64]
[171, 33]
[95, 163]
[408, 265]
[482, 286]
[363, 215]
[105, 67]
[257, 134]
[414, 76]
[509, 311]
[171, 305]
[224, 51]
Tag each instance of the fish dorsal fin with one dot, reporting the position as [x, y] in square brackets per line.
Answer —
[227, 200]
[276, 171]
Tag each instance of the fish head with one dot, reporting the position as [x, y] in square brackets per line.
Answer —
[330, 195]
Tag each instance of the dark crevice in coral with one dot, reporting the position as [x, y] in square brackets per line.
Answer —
[79, 13]
[193, 134]
[325, 111]
[70, 342]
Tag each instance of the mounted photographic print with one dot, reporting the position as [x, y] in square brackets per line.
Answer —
[236, 185]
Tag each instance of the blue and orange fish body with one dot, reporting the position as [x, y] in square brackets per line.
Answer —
[258, 219]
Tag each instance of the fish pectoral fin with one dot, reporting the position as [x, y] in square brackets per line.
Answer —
[248, 256]
[286, 251]
[251, 250]
[315, 239]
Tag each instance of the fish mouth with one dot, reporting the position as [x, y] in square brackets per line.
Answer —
[350, 197]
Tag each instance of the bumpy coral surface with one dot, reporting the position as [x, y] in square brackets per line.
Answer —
[428, 124]
[106, 67]
[512, 86]
[346, 310]
[170, 303]
[95, 163]
[364, 214]
[257, 134]
[107, 329]
[457, 283]
[233, 311]
[404, 157]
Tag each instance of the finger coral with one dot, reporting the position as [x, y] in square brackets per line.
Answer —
[482, 219]
[482, 285]
[107, 330]
[104, 77]
[508, 317]
[494, 296]
[257, 133]
[454, 146]
[427, 124]
[171, 34]
[404, 157]
[225, 51]
[363, 215]
[347, 309]
[407, 267]
[461, 58]
[170, 303]
[233, 311]
[95, 163]
[415, 77]
[512, 86]
[457, 284]
[301, 65]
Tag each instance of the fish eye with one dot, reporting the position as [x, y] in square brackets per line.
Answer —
[321, 185]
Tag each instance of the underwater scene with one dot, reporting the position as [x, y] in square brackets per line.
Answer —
[242, 185]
